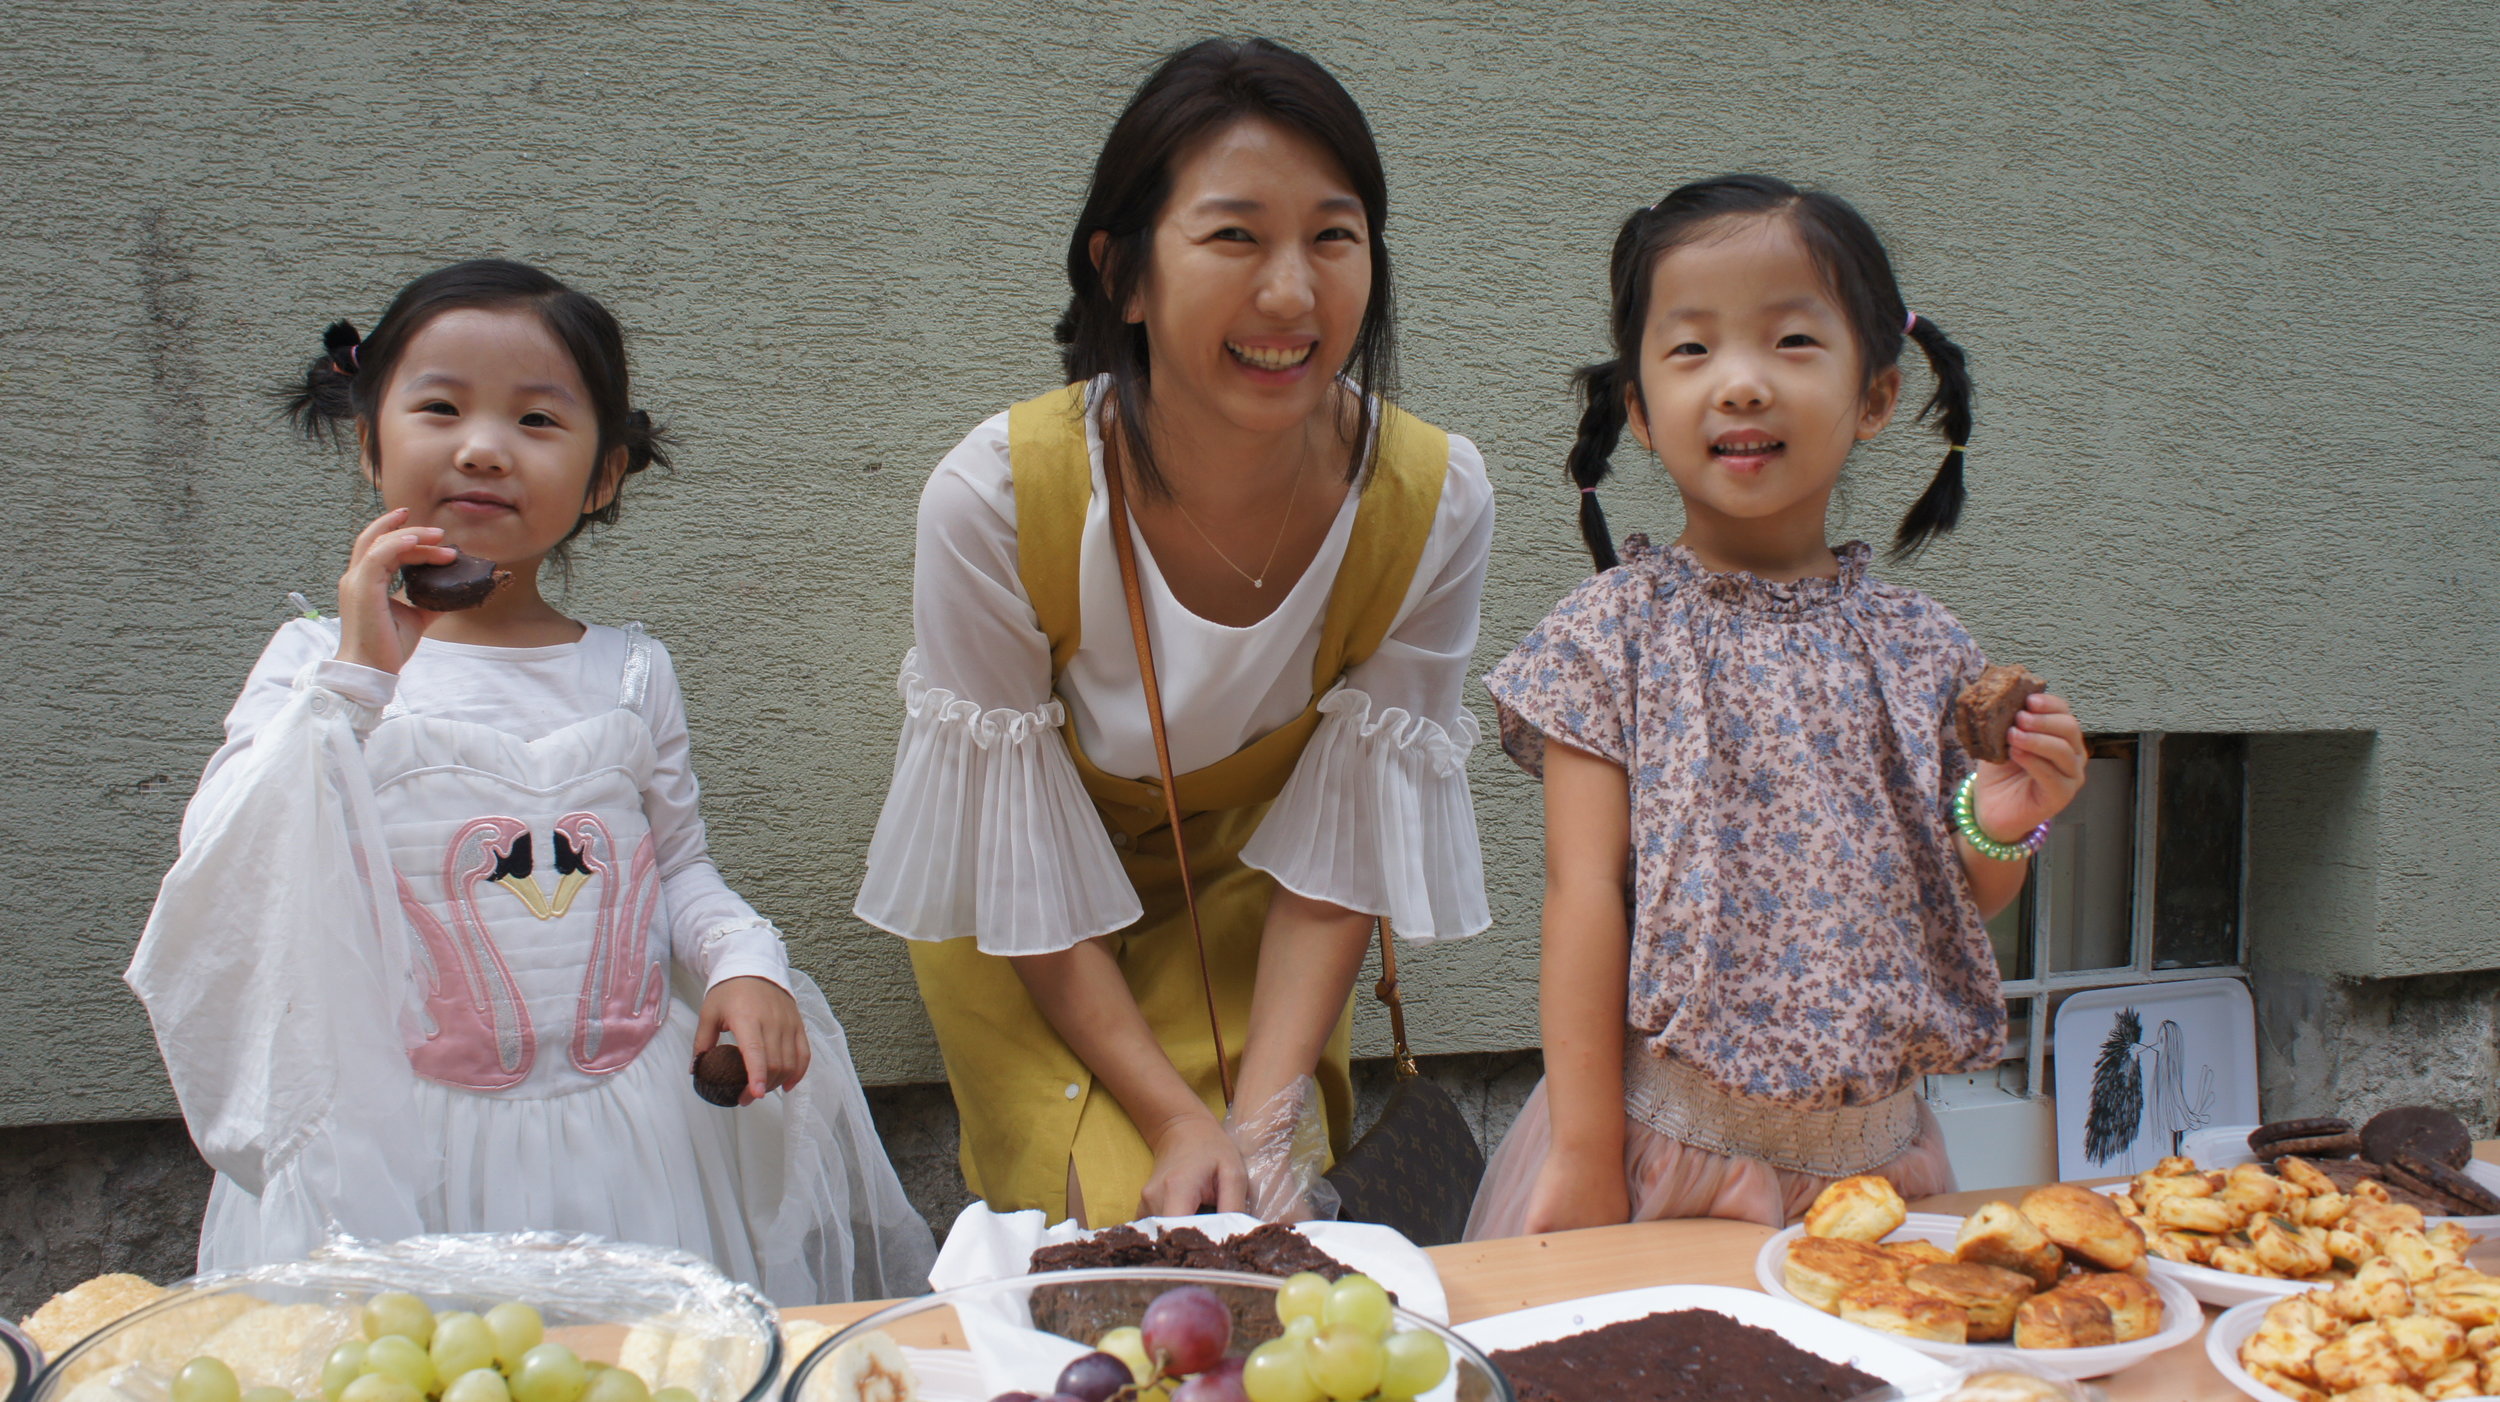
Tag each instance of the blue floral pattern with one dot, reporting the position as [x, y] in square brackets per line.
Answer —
[1802, 931]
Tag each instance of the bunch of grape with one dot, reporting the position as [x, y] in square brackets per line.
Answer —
[1337, 1347]
[410, 1354]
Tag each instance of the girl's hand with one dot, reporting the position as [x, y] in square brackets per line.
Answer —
[1578, 1190]
[1196, 1167]
[766, 1023]
[2042, 775]
[376, 630]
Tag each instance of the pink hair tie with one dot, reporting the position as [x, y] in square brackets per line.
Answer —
[1588, 491]
[1911, 325]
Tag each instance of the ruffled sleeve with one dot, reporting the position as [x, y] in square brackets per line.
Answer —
[1572, 678]
[1377, 816]
[987, 831]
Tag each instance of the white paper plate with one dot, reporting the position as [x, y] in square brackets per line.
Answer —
[2182, 1316]
[1877, 1355]
[2222, 1349]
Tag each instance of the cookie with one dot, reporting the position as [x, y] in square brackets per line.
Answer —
[2419, 1130]
[2263, 1137]
[1984, 713]
[720, 1075]
[2405, 1188]
[2325, 1146]
[465, 583]
[2448, 1182]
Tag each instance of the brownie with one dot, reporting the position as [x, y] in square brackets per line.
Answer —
[1685, 1356]
[464, 583]
[1985, 711]
[1270, 1249]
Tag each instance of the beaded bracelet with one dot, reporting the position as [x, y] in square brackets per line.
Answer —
[1966, 818]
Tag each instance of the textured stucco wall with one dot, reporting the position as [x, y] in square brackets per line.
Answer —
[2225, 272]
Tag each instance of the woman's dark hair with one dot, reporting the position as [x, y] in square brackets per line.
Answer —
[1200, 90]
[343, 385]
[1852, 260]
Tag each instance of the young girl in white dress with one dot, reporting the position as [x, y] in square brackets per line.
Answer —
[444, 939]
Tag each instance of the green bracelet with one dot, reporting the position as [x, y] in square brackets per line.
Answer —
[1966, 818]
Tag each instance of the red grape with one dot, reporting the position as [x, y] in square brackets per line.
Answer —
[1221, 1383]
[1189, 1328]
[1094, 1377]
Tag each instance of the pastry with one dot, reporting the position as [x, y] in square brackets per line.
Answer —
[1915, 1253]
[2086, 1225]
[720, 1075]
[1997, 1235]
[1987, 1295]
[2004, 1386]
[1984, 713]
[466, 582]
[1864, 1208]
[1818, 1269]
[84, 1308]
[2135, 1308]
[1897, 1309]
[2063, 1319]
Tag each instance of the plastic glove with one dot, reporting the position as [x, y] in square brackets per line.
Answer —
[1284, 1145]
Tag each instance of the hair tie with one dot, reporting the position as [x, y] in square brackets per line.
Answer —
[1588, 491]
[1911, 325]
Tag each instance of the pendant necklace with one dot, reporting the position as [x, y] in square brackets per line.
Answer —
[1259, 580]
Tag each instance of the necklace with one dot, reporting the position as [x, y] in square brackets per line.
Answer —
[1259, 580]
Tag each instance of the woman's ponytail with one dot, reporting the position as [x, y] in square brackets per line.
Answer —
[1601, 428]
[1940, 506]
[323, 403]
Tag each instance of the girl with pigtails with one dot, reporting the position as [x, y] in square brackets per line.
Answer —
[1768, 858]
[444, 937]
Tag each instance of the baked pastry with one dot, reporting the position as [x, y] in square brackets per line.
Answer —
[2419, 1130]
[84, 1308]
[2063, 1319]
[2086, 1225]
[2004, 1386]
[466, 582]
[2135, 1308]
[1984, 713]
[1917, 1252]
[1987, 1295]
[1997, 1235]
[1897, 1309]
[1818, 1269]
[1862, 1208]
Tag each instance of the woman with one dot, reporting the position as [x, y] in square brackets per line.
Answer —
[1310, 563]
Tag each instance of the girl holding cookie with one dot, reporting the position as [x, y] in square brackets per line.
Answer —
[444, 937]
[1769, 856]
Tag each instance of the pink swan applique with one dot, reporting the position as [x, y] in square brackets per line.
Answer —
[477, 1032]
[624, 989]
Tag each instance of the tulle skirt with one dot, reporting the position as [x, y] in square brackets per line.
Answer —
[792, 1194]
[1669, 1180]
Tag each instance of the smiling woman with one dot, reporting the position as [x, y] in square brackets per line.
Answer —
[1308, 565]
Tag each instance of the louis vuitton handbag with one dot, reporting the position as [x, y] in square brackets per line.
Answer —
[1417, 1167]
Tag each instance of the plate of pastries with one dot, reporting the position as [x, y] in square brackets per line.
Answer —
[2061, 1279]
[2396, 1332]
[2259, 1231]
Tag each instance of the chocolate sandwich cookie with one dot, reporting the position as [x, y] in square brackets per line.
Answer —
[2471, 1197]
[466, 582]
[2324, 1146]
[2263, 1138]
[720, 1075]
[1983, 715]
[2426, 1133]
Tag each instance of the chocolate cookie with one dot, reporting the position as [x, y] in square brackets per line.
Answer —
[720, 1075]
[1984, 713]
[2263, 1138]
[465, 583]
[2324, 1146]
[2426, 1133]
[2472, 1197]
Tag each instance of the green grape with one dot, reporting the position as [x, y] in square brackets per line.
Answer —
[403, 1359]
[1303, 1330]
[549, 1373]
[1358, 1302]
[517, 1329]
[1346, 1361]
[346, 1364]
[393, 1312]
[616, 1385]
[206, 1380]
[266, 1393]
[462, 1344]
[675, 1394]
[1278, 1371]
[1302, 1296]
[1128, 1344]
[478, 1385]
[380, 1387]
[1416, 1364]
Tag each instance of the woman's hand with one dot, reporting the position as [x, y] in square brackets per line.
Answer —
[2042, 775]
[765, 1020]
[1196, 1167]
[1578, 1190]
[376, 630]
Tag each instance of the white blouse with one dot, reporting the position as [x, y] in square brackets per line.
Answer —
[987, 830]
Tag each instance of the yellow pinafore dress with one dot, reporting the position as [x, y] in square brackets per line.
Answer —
[1028, 1105]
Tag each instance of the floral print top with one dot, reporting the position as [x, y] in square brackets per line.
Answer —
[1802, 930]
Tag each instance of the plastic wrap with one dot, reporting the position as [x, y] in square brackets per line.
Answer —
[667, 1315]
[2013, 1380]
[20, 1360]
[1284, 1146]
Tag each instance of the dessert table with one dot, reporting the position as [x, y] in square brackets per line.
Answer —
[1493, 1277]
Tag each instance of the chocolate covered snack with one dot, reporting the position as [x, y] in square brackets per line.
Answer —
[2472, 1199]
[1983, 715]
[1687, 1356]
[2419, 1130]
[720, 1075]
[465, 583]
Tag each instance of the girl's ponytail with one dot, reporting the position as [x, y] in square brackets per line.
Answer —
[1940, 506]
[323, 404]
[1601, 428]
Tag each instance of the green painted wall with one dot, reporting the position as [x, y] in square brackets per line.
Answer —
[2226, 273]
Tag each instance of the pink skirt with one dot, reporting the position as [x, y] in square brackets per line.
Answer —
[1666, 1179]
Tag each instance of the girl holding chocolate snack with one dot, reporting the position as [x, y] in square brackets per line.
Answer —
[444, 938]
[1769, 855]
